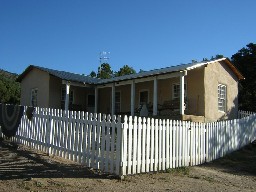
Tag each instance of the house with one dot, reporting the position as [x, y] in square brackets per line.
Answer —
[203, 91]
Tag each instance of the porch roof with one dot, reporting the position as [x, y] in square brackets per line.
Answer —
[89, 80]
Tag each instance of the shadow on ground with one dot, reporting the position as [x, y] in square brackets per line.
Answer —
[241, 162]
[19, 163]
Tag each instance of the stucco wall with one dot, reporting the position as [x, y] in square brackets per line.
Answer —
[79, 94]
[55, 92]
[104, 104]
[220, 73]
[32, 81]
[125, 91]
[195, 88]
[195, 93]
[144, 86]
[86, 92]
[202, 92]
[165, 89]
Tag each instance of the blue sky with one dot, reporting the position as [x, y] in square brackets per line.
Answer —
[144, 34]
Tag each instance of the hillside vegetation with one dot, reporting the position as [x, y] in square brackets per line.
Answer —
[9, 88]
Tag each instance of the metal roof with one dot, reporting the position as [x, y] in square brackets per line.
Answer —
[165, 70]
[154, 72]
[62, 75]
[89, 80]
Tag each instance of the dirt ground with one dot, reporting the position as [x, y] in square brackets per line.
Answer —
[22, 169]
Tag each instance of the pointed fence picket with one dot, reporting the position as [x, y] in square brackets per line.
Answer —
[134, 144]
[155, 145]
[90, 139]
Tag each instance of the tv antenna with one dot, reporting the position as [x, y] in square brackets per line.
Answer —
[104, 57]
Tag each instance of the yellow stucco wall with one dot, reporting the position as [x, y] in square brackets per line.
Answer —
[202, 92]
[164, 93]
[35, 79]
[49, 90]
[55, 92]
[220, 73]
[80, 94]
[195, 88]
[125, 92]
[144, 86]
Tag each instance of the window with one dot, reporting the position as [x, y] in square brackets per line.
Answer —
[117, 102]
[63, 97]
[33, 101]
[143, 97]
[176, 90]
[91, 100]
[222, 97]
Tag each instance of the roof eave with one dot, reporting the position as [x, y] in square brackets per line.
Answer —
[234, 69]
[24, 73]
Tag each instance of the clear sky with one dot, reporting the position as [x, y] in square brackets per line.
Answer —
[144, 34]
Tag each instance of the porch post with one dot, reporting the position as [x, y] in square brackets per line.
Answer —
[67, 96]
[96, 100]
[155, 97]
[182, 108]
[113, 99]
[132, 97]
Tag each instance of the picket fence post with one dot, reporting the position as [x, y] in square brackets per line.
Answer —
[134, 144]
[49, 131]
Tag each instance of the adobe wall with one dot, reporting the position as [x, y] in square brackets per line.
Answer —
[55, 92]
[220, 73]
[35, 79]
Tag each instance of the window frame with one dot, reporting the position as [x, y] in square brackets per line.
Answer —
[222, 97]
[32, 102]
[178, 96]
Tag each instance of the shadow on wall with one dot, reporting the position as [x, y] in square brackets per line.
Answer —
[231, 113]
[232, 135]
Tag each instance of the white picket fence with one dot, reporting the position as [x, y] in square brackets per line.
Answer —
[134, 144]
[242, 114]
[90, 139]
[153, 145]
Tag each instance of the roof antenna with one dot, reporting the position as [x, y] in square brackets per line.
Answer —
[104, 57]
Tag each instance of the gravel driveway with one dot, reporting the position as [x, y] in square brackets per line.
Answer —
[22, 169]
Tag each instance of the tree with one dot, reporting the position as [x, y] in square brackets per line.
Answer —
[218, 56]
[104, 71]
[125, 70]
[93, 74]
[245, 61]
[9, 89]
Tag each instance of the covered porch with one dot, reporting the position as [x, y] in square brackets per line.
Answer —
[77, 97]
[164, 95]
[176, 95]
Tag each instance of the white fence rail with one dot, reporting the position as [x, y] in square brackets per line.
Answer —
[136, 144]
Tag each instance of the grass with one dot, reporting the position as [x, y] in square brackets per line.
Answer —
[179, 171]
